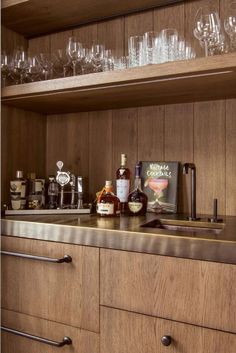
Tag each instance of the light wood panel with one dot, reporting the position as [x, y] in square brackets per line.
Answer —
[23, 141]
[33, 18]
[179, 146]
[124, 332]
[66, 293]
[10, 40]
[151, 133]
[82, 341]
[86, 34]
[209, 155]
[100, 150]
[111, 33]
[230, 157]
[196, 292]
[170, 17]
[124, 138]
[67, 140]
[60, 40]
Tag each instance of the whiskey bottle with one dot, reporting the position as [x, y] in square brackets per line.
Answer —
[137, 200]
[108, 204]
[123, 183]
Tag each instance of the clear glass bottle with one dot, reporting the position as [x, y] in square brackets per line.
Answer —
[123, 183]
[108, 204]
[137, 200]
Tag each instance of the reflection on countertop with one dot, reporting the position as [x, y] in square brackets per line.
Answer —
[128, 233]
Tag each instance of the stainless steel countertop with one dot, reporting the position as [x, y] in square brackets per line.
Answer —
[125, 233]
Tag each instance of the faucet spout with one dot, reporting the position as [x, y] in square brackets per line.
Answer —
[186, 167]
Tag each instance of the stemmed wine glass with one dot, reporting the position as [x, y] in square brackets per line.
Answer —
[33, 70]
[5, 67]
[46, 63]
[206, 28]
[19, 65]
[74, 49]
[230, 25]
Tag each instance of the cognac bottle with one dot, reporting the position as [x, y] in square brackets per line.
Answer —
[137, 200]
[123, 183]
[108, 204]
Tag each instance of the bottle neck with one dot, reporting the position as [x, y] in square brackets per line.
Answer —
[108, 189]
[123, 160]
[137, 183]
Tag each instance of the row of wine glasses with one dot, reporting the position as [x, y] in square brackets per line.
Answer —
[210, 32]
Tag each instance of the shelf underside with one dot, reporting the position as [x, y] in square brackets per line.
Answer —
[36, 17]
[195, 80]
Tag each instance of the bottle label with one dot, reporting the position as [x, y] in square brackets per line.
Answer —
[105, 208]
[135, 207]
[122, 189]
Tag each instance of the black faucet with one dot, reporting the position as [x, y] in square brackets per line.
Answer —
[186, 167]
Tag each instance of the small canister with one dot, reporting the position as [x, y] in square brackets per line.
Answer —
[18, 191]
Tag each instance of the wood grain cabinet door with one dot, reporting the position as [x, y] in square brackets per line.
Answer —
[126, 332]
[62, 292]
[82, 341]
[197, 292]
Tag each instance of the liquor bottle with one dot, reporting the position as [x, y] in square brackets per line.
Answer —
[123, 183]
[137, 200]
[108, 204]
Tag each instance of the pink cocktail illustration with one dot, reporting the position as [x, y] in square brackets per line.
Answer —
[157, 185]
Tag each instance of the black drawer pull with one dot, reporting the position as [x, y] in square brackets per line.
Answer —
[66, 340]
[66, 258]
[166, 340]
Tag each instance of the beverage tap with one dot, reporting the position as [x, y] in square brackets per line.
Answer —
[72, 184]
[80, 192]
[63, 178]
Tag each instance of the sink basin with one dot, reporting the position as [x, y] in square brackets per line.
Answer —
[185, 226]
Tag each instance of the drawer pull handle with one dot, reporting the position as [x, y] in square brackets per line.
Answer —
[166, 340]
[65, 258]
[66, 340]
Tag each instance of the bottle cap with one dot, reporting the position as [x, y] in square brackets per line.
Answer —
[31, 175]
[19, 174]
[137, 170]
[108, 183]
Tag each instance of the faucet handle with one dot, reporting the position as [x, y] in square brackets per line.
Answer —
[215, 218]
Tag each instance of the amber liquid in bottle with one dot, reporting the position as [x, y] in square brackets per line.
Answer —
[137, 200]
[108, 204]
[123, 183]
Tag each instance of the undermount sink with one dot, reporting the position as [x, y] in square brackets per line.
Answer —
[185, 226]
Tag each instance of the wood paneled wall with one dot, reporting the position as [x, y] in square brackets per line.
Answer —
[201, 132]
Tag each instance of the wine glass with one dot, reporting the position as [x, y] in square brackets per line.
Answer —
[33, 70]
[73, 50]
[19, 65]
[98, 54]
[5, 67]
[61, 64]
[230, 25]
[46, 63]
[206, 26]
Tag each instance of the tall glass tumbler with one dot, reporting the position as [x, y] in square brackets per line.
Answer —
[150, 43]
[169, 38]
[136, 51]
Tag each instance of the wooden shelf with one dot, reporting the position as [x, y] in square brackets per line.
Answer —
[182, 81]
[36, 17]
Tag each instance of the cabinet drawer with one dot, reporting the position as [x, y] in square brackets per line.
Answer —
[197, 292]
[125, 332]
[63, 292]
[82, 341]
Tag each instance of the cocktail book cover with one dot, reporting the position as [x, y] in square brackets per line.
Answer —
[160, 184]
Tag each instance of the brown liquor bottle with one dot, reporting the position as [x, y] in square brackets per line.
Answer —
[123, 183]
[108, 205]
[137, 200]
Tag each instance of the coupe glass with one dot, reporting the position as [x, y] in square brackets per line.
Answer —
[230, 25]
[206, 28]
